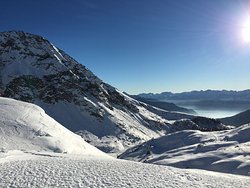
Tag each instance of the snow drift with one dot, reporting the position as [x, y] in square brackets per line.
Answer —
[222, 151]
[27, 127]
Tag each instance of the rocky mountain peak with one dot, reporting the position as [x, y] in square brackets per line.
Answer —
[27, 54]
[29, 60]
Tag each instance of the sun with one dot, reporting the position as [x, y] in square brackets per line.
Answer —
[245, 32]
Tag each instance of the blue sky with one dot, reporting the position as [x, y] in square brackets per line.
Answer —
[144, 45]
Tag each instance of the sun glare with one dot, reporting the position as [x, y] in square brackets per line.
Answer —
[246, 31]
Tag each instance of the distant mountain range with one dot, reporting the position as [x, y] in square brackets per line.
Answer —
[221, 101]
[201, 95]
[163, 105]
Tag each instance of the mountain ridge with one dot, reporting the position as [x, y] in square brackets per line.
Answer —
[200, 95]
[164, 105]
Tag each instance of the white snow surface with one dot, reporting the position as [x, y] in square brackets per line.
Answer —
[26, 127]
[18, 169]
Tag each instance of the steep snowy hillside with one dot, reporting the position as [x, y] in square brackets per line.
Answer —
[25, 170]
[224, 151]
[27, 127]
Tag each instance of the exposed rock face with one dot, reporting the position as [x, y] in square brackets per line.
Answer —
[209, 124]
[198, 123]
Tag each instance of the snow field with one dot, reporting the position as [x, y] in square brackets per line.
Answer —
[37, 170]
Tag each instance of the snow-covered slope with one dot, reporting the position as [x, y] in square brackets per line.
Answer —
[224, 151]
[25, 170]
[27, 127]
[238, 119]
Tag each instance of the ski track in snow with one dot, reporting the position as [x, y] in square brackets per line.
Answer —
[64, 171]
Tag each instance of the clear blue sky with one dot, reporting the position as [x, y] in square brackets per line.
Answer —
[144, 45]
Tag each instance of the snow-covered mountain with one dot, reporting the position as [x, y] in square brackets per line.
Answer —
[26, 127]
[222, 151]
[33, 70]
